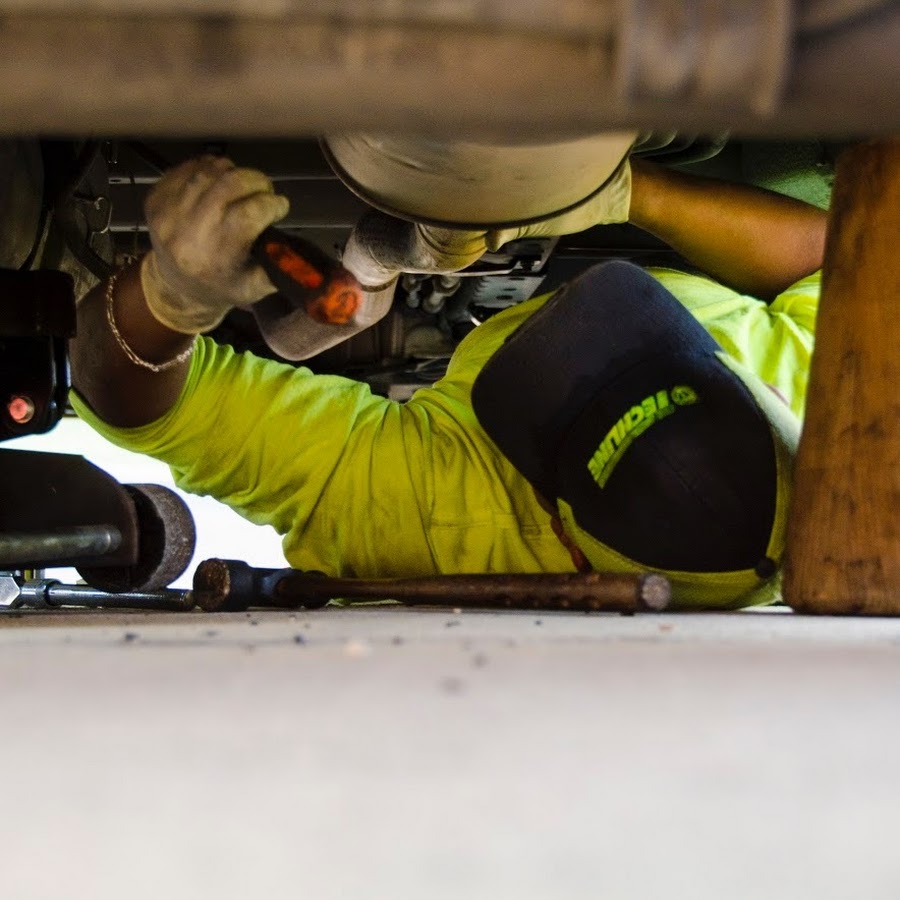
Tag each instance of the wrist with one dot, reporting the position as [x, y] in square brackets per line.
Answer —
[164, 356]
[646, 194]
[172, 306]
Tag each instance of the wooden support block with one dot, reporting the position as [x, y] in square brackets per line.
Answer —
[843, 554]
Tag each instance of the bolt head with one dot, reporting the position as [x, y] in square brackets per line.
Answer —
[9, 591]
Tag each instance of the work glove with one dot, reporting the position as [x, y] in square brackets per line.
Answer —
[381, 247]
[203, 217]
[609, 205]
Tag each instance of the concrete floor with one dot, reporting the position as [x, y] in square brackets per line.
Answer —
[422, 755]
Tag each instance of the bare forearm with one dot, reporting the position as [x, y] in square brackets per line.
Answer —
[753, 240]
[119, 390]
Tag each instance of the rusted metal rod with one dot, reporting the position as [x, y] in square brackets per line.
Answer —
[590, 592]
[231, 585]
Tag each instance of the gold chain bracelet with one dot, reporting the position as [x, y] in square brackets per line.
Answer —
[137, 360]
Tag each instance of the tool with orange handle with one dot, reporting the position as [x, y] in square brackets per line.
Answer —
[308, 277]
[300, 271]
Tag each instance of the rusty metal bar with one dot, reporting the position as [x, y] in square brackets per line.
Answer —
[232, 585]
[590, 592]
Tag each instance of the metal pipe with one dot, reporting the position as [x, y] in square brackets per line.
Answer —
[21, 549]
[646, 64]
[379, 248]
[51, 594]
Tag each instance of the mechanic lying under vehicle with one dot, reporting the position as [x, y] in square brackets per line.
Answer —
[633, 421]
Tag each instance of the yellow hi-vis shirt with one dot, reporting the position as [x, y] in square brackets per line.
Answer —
[359, 485]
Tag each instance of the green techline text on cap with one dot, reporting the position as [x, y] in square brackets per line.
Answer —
[633, 424]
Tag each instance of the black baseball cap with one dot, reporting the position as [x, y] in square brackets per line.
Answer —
[659, 450]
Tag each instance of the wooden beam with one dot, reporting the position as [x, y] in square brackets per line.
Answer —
[843, 553]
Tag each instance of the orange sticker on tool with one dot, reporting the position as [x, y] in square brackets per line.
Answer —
[294, 265]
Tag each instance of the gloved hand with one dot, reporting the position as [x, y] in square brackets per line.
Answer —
[611, 204]
[380, 247]
[203, 217]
